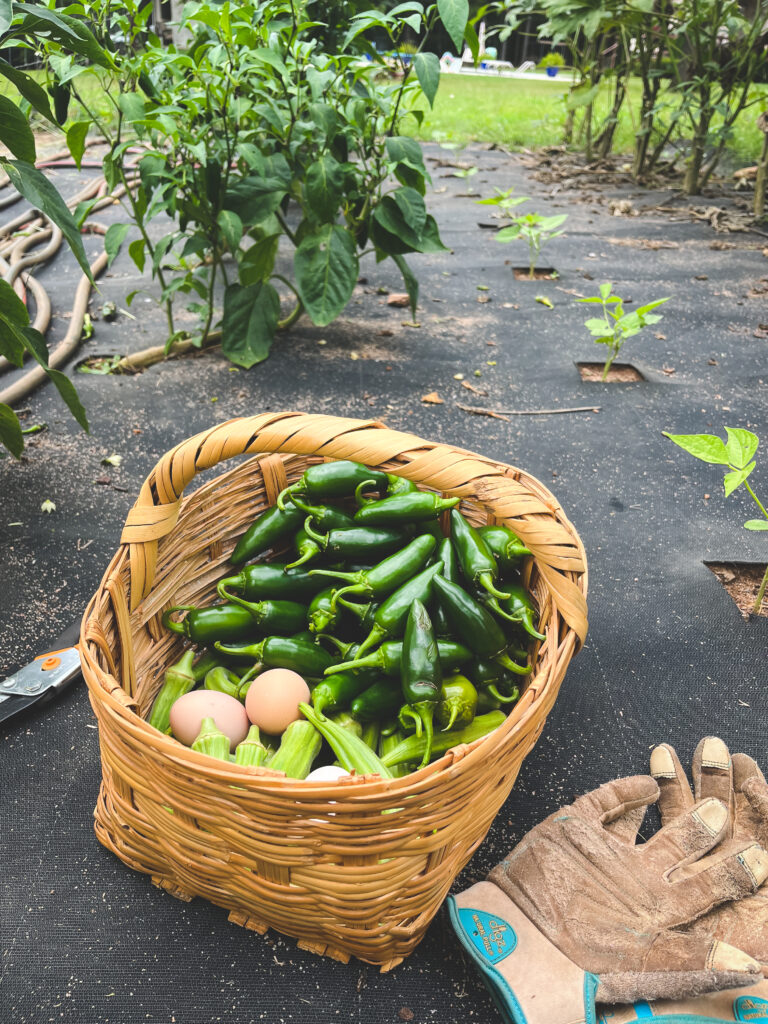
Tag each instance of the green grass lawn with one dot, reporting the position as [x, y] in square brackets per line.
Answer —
[528, 113]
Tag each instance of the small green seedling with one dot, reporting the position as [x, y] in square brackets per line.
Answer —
[616, 325]
[737, 454]
[504, 200]
[536, 230]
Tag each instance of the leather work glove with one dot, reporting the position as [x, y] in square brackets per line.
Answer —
[579, 911]
[738, 782]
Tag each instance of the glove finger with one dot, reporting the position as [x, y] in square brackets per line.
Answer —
[737, 871]
[687, 837]
[615, 799]
[679, 965]
[675, 796]
[745, 767]
[755, 821]
[713, 773]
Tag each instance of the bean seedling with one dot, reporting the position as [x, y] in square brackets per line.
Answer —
[737, 455]
[616, 326]
[536, 230]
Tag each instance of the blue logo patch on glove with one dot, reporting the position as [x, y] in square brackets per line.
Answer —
[490, 934]
[750, 1008]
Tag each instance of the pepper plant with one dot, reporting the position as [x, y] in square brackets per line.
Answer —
[17, 338]
[737, 456]
[616, 326]
[257, 144]
[535, 230]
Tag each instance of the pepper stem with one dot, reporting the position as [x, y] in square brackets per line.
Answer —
[486, 580]
[500, 697]
[287, 492]
[361, 501]
[506, 661]
[319, 538]
[375, 636]
[426, 710]
[176, 627]
[527, 624]
[306, 557]
[246, 650]
[349, 666]
[454, 712]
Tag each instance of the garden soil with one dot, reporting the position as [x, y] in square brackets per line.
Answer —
[669, 656]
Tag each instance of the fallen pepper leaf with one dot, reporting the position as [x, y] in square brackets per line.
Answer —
[48, 506]
[544, 301]
[432, 398]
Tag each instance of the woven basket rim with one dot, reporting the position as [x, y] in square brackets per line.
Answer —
[263, 778]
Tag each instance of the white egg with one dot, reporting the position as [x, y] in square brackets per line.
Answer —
[327, 773]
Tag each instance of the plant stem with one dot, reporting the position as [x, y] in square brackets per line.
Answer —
[756, 499]
[760, 594]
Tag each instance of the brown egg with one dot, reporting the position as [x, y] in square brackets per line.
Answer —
[273, 699]
[228, 713]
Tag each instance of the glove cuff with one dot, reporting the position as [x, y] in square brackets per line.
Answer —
[530, 980]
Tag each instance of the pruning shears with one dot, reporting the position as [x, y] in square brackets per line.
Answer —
[44, 677]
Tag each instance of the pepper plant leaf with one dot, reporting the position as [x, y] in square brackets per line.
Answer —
[326, 268]
[6, 14]
[741, 446]
[733, 480]
[756, 524]
[10, 431]
[250, 320]
[324, 187]
[32, 92]
[427, 67]
[454, 15]
[114, 239]
[15, 132]
[411, 284]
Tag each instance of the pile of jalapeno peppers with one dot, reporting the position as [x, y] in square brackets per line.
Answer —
[410, 640]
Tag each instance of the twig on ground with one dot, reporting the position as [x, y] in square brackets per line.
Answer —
[504, 414]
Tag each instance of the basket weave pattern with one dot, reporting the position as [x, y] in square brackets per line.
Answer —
[320, 862]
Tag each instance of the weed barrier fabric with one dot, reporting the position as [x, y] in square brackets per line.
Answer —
[668, 656]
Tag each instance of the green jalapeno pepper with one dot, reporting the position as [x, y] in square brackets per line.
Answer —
[267, 531]
[356, 542]
[335, 479]
[491, 677]
[219, 622]
[387, 657]
[325, 516]
[458, 703]
[505, 545]
[379, 700]
[486, 702]
[421, 672]
[251, 751]
[276, 618]
[339, 690]
[322, 613]
[352, 752]
[388, 575]
[271, 582]
[446, 553]
[392, 614]
[477, 562]
[397, 485]
[365, 613]
[520, 609]
[308, 547]
[412, 748]
[211, 740]
[474, 624]
[223, 681]
[296, 653]
[413, 507]
[179, 679]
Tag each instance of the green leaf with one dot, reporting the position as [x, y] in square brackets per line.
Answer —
[76, 136]
[605, 290]
[756, 524]
[33, 93]
[10, 428]
[231, 227]
[454, 15]
[741, 446]
[6, 16]
[113, 240]
[11, 343]
[72, 33]
[324, 116]
[402, 150]
[411, 206]
[706, 447]
[581, 97]
[66, 389]
[324, 187]
[15, 132]
[427, 67]
[732, 480]
[39, 191]
[250, 320]
[11, 305]
[132, 106]
[137, 254]
[273, 59]
[258, 262]
[411, 284]
[470, 34]
[326, 269]
[254, 198]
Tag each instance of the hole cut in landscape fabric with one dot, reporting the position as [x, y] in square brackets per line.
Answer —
[619, 373]
[742, 581]
[539, 274]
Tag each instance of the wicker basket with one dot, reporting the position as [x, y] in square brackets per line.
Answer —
[317, 861]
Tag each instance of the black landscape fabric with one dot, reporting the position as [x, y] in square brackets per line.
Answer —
[668, 657]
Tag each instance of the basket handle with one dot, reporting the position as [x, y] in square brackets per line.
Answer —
[444, 467]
